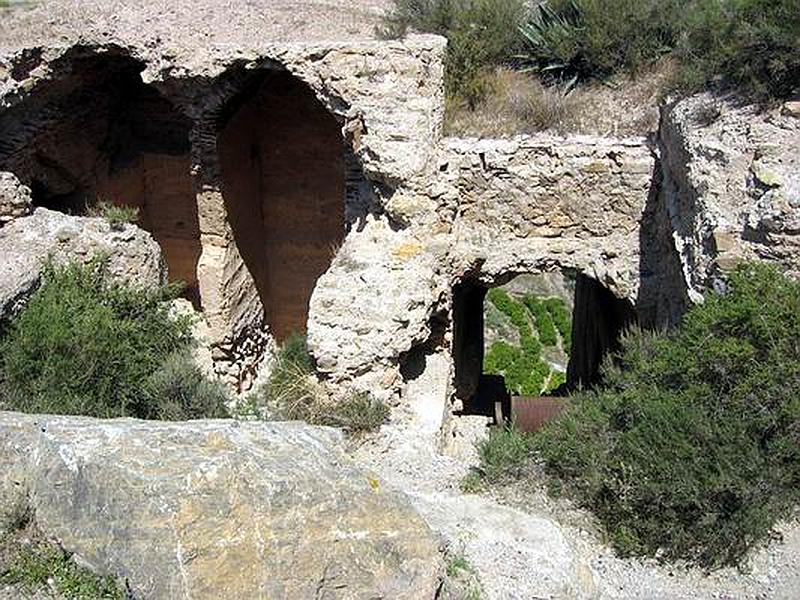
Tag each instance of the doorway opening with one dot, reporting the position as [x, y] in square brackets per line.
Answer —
[284, 183]
[532, 337]
[102, 136]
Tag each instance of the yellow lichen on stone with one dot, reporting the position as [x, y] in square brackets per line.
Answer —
[407, 250]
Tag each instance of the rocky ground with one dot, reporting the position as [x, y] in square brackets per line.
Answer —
[525, 545]
[204, 21]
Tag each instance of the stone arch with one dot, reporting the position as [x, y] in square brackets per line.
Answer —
[97, 132]
[285, 180]
[599, 318]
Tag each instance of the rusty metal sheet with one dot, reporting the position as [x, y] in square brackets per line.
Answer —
[530, 413]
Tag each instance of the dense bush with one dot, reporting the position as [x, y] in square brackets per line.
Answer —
[522, 367]
[179, 390]
[691, 448]
[754, 44]
[481, 33]
[86, 345]
[750, 43]
[594, 38]
[503, 455]
[542, 319]
[562, 319]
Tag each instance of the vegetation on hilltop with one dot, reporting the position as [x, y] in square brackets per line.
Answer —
[751, 45]
[522, 366]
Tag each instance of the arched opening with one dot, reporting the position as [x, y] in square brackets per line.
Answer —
[100, 135]
[532, 336]
[284, 182]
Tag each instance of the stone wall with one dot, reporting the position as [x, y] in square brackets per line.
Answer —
[310, 179]
[487, 210]
[732, 185]
[356, 120]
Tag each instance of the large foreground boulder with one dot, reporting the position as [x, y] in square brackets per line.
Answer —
[27, 243]
[215, 509]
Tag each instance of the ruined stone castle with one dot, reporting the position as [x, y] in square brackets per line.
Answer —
[306, 185]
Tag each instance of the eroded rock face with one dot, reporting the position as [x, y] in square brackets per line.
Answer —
[28, 243]
[15, 198]
[732, 185]
[216, 509]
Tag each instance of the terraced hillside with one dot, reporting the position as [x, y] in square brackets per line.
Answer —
[528, 333]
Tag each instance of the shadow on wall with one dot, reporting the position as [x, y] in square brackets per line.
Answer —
[100, 134]
[283, 177]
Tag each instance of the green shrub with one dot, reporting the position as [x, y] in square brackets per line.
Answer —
[358, 414]
[753, 44]
[691, 448]
[480, 33]
[594, 38]
[40, 566]
[542, 319]
[503, 456]
[562, 319]
[179, 391]
[557, 379]
[117, 216]
[86, 345]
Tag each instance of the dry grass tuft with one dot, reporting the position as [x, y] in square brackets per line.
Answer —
[520, 103]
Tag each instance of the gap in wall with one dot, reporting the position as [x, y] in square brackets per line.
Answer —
[100, 134]
[532, 335]
[284, 183]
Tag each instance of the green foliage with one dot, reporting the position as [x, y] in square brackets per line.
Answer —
[358, 414]
[562, 319]
[691, 449]
[542, 319]
[179, 390]
[295, 351]
[557, 379]
[34, 565]
[462, 573]
[753, 44]
[504, 454]
[524, 370]
[472, 483]
[117, 216]
[87, 345]
[480, 33]
[593, 38]
[750, 43]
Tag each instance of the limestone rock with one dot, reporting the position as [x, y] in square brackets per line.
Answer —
[26, 244]
[218, 509]
[15, 198]
[732, 185]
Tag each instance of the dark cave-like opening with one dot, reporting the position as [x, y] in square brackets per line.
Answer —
[99, 134]
[532, 337]
[284, 183]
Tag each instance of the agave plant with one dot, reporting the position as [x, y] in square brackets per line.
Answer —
[553, 42]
